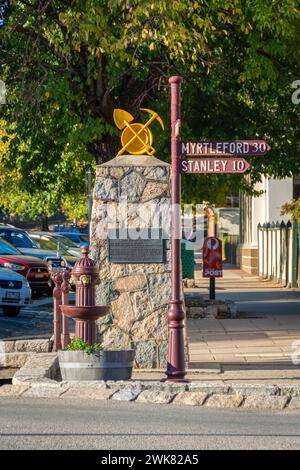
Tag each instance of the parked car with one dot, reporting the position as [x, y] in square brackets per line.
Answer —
[50, 244]
[74, 228]
[33, 269]
[20, 239]
[65, 244]
[15, 291]
[81, 239]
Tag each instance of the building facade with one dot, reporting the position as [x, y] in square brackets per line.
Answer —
[263, 209]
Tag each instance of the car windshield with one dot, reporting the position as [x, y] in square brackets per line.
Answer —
[77, 237]
[17, 238]
[50, 244]
[66, 241]
[7, 249]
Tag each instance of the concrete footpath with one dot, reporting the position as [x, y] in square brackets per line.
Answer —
[261, 344]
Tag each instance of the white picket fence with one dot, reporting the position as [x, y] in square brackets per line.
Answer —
[278, 251]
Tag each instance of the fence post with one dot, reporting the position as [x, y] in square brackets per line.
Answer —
[283, 242]
[265, 251]
[294, 254]
[269, 262]
[260, 240]
[273, 252]
[289, 249]
[298, 238]
[56, 312]
[298, 254]
[277, 250]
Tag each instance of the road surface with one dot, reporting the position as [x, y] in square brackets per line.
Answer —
[36, 319]
[85, 424]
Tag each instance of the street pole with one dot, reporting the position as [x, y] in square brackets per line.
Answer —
[212, 288]
[211, 233]
[89, 197]
[176, 361]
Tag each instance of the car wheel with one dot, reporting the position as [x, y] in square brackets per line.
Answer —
[11, 311]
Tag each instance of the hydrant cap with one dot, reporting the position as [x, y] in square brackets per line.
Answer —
[85, 265]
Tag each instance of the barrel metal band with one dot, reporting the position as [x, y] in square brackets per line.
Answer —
[95, 365]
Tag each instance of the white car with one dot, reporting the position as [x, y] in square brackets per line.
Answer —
[15, 292]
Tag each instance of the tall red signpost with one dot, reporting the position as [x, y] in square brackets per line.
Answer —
[176, 361]
[176, 357]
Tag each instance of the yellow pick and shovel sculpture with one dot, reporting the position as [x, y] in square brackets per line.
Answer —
[136, 137]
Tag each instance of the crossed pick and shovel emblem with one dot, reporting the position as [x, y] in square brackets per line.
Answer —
[136, 137]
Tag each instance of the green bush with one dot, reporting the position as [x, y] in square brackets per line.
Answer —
[78, 344]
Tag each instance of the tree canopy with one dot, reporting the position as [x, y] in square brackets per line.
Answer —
[68, 63]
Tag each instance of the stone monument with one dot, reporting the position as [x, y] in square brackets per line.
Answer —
[130, 242]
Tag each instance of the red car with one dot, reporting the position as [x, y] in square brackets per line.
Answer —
[34, 269]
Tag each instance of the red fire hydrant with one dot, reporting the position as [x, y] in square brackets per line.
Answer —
[85, 312]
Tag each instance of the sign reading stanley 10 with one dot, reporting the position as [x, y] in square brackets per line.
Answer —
[214, 165]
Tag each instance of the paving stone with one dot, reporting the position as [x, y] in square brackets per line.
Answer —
[291, 390]
[31, 375]
[294, 403]
[8, 390]
[126, 395]
[7, 346]
[211, 311]
[196, 312]
[46, 390]
[29, 379]
[33, 345]
[190, 398]
[265, 401]
[172, 387]
[126, 385]
[225, 401]
[14, 359]
[255, 389]
[88, 393]
[207, 387]
[92, 384]
[44, 360]
[153, 396]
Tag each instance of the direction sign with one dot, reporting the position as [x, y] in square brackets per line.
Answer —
[214, 165]
[237, 147]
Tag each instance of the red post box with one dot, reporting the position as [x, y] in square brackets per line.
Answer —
[212, 257]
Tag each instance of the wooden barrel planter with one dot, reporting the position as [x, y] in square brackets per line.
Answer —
[103, 365]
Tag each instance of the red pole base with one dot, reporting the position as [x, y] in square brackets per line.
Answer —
[176, 361]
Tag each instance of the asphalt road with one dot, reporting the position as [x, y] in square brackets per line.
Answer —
[85, 424]
[36, 319]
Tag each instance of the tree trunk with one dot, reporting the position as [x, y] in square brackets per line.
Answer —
[44, 223]
[105, 149]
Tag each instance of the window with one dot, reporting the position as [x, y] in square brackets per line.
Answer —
[6, 249]
[16, 238]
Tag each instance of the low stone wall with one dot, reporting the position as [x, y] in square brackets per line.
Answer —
[196, 307]
[36, 380]
[15, 352]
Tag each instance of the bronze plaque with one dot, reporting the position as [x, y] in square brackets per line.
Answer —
[138, 251]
